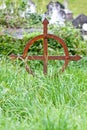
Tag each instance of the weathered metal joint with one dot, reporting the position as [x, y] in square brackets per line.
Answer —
[67, 57]
[45, 36]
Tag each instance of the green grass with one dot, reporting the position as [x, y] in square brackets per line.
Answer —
[78, 7]
[57, 101]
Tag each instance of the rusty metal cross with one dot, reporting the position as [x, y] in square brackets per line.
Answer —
[45, 56]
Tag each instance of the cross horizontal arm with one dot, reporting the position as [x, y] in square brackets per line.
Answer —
[75, 58]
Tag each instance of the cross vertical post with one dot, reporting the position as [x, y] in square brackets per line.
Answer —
[45, 45]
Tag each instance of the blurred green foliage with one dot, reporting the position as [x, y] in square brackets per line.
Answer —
[71, 36]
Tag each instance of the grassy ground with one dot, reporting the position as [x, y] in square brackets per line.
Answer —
[77, 6]
[53, 102]
[57, 101]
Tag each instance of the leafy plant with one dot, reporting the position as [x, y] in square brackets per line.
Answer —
[8, 44]
[72, 38]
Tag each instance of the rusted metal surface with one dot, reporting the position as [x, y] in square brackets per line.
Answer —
[45, 56]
